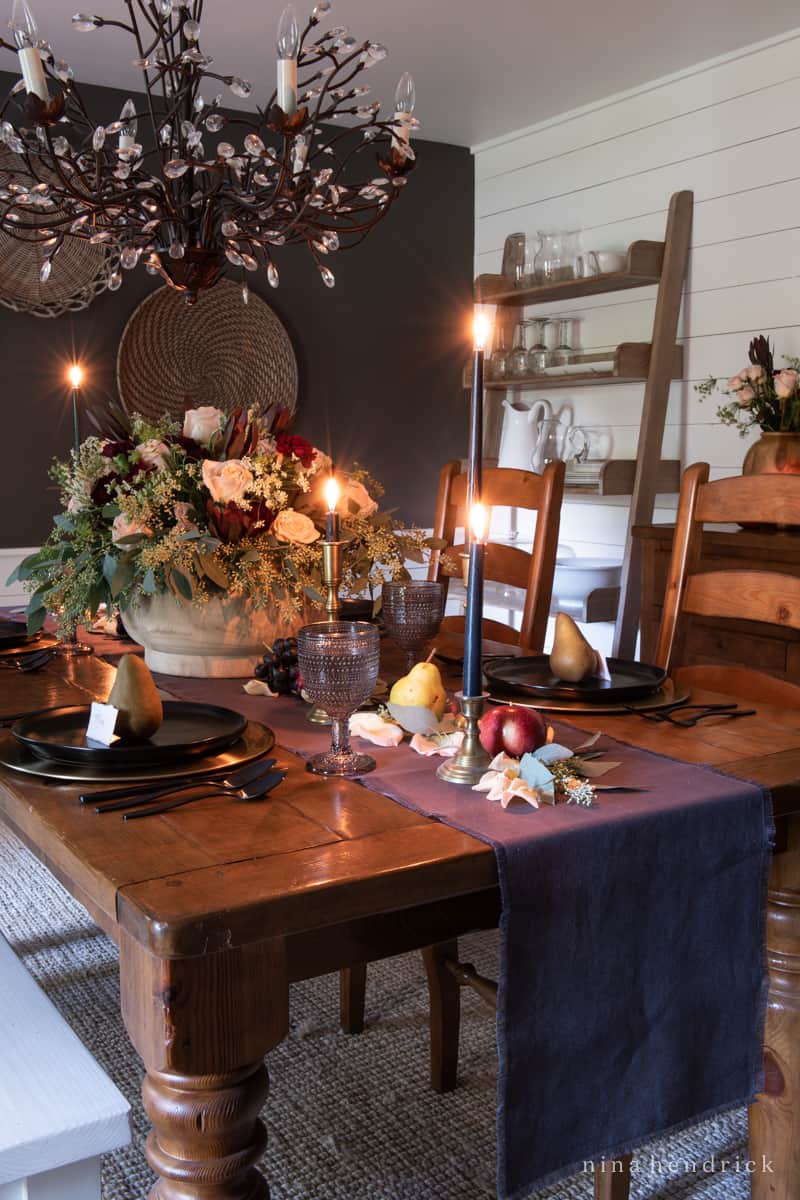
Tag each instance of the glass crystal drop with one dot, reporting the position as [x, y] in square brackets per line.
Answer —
[323, 176]
[229, 228]
[129, 257]
[328, 277]
[321, 8]
[335, 193]
[44, 270]
[331, 240]
[196, 56]
[234, 257]
[254, 145]
[152, 269]
[122, 172]
[338, 31]
[191, 29]
[163, 7]
[176, 249]
[245, 293]
[214, 122]
[99, 138]
[194, 139]
[61, 146]
[272, 275]
[225, 150]
[102, 236]
[312, 93]
[345, 43]
[76, 226]
[261, 180]
[199, 104]
[370, 133]
[175, 168]
[363, 89]
[186, 128]
[63, 70]
[165, 135]
[373, 54]
[115, 281]
[240, 87]
[249, 262]
[84, 22]
[367, 110]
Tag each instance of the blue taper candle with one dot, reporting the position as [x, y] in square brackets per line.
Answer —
[473, 633]
[475, 453]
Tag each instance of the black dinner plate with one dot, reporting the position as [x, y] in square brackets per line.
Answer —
[15, 633]
[189, 730]
[532, 677]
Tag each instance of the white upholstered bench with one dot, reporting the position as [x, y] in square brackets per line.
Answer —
[59, 1111]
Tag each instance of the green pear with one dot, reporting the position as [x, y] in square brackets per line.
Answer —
[421, 686]
[134, 695]
[572, 658]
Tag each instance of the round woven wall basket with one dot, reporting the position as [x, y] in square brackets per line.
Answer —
[219, 351]
[79, 273]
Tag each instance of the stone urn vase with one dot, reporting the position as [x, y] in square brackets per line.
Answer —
[773, 454]
[223, 638]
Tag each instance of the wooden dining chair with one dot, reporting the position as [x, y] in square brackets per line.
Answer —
[500, 487]
[765, 596]
[532, 571]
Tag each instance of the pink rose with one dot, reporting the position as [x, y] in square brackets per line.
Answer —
[291, 526]
[785, 384]
[734, 383]
[746, 394]
[354, 493]
[153, 453]
[755, 373]
[125, 527]
[200, 424]
[226, 481]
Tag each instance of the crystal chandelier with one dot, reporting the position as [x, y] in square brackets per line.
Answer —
[315, 166]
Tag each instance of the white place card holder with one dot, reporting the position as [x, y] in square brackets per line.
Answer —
[102, 719]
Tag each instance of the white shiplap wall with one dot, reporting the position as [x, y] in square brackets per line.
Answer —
[730, 131]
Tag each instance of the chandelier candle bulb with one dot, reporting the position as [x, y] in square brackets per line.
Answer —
[332, 492]
[405, 100]
[473, 633]
[26, 37]
[129, 126]
[288, 48]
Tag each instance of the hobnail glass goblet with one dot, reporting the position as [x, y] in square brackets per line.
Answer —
[339, 666]
[412, 614]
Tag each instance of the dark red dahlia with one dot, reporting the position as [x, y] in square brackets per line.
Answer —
[290, 443]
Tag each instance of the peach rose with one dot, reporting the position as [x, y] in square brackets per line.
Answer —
[785, 384]
[734, 384]
[182, 518]
[291, 526]
[746, 394]
[227, 481]
[755, 373]
[354, 493]
[200, 424]
[153, 453]
[124, 527]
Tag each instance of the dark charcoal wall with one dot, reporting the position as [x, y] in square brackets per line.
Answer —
[380, 355]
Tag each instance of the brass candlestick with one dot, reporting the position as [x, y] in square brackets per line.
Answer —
[471, 762]
[331, 575]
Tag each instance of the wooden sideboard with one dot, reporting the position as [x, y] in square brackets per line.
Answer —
[768, 648]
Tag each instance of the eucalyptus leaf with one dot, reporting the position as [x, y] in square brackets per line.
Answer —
[181, 585]
[414, 718]
[149, 586]
[314, 595]
[213, 571]
[109, 567]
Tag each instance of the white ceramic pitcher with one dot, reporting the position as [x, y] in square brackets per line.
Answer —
[523, 435]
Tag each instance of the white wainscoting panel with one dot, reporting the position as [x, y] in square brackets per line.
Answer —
[729, 130]
[13, 593]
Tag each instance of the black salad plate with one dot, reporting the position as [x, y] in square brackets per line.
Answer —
[533, 677]
[15, 633]
[189, 730]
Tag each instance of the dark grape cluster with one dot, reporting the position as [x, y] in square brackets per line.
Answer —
[280, 669]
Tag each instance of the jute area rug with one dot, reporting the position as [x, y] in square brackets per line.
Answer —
[349, 1118]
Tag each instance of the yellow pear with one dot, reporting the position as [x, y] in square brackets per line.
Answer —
[135, 695]
[423, 686]
[572, 658]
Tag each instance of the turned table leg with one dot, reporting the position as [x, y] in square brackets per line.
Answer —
[775, 1115]
[445, 1016]
[202, 1025]
[352, 997]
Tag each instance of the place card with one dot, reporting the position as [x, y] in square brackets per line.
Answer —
[102, 719]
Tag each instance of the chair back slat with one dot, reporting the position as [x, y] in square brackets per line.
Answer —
[764, 596]
[747, 499]
[506, 488]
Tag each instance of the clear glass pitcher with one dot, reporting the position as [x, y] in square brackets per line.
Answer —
[556, 256]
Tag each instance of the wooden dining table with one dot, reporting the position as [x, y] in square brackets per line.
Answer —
[218, 907]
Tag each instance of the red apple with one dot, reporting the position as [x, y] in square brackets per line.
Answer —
[515, 730]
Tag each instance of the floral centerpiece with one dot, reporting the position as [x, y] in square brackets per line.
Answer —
[192, 516]
[768, 397]
[760, 394]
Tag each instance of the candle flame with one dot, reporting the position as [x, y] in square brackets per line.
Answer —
[478, 522]
[481, 328]
[75, 375]
[332, 493]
